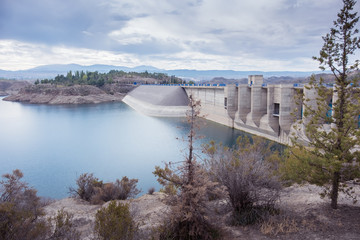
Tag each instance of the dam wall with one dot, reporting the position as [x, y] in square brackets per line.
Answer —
[261, 109]
[213, 103]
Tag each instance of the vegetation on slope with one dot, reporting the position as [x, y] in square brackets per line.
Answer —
[99, 79]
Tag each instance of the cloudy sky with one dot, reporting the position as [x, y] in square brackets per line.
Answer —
[265, 35]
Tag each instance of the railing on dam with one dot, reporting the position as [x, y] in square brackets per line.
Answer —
[184, 85]
[264, 85]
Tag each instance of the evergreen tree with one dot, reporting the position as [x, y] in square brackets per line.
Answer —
[333, 156]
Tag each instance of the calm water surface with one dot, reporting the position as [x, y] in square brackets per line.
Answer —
[53, 145]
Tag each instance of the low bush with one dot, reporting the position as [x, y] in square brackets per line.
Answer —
[87, 185]
[151, 190]
[126, 188]
[64, 227]
[115, 222]
[120, 190]
[185, 229]
[20, 210]
[93, 190]
[249, 178]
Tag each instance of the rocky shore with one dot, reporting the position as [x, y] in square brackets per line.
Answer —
[77, 94]
[303, 215]
[8, 87]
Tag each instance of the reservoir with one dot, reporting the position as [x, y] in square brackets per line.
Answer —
[53, 144]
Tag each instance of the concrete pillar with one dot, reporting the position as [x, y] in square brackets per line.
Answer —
[287, 107]
[255, 79]
[232, 100]
[258, 105]
[270, 122]
[210, 96]
[310, 96]
[244, 103]
[258, 100]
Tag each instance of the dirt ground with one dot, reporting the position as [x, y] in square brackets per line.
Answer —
[304, 215]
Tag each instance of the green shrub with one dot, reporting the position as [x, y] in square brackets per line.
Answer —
[115, 222]
[64, 227]
[187, 230]
[169, 189]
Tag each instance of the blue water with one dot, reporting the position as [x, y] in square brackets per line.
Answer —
[53, 145]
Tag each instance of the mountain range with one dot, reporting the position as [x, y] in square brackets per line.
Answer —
[51, 71]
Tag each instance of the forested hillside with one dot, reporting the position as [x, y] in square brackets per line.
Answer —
[99, 79]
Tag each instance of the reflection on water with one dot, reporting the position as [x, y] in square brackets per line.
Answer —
[53, 145]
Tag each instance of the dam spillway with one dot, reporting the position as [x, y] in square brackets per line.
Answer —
[158, 101]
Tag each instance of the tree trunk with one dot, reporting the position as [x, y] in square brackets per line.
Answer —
[335, 190]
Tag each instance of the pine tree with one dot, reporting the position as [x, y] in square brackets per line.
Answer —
[187, 219]
[333, 156]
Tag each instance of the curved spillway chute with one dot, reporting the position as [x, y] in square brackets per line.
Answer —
[159, 101]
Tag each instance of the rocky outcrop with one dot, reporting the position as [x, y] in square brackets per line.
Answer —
[54, 94]
[8, 87]
[148, 210]
[83, 214]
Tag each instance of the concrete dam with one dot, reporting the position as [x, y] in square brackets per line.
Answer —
[257, 108]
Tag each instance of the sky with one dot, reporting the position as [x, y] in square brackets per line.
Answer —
[244, 35]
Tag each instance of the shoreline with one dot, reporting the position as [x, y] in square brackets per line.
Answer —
[58, 100]
[77, 94]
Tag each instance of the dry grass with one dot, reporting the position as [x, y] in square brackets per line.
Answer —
[286, 223]
[275, 225]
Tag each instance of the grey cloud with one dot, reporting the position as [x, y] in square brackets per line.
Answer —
[279, 29]
[193, 3]
[58, 22]
[151, 47]
[173, 12]
[120, 18]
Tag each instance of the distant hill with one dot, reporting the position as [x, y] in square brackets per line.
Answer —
[51, 71]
